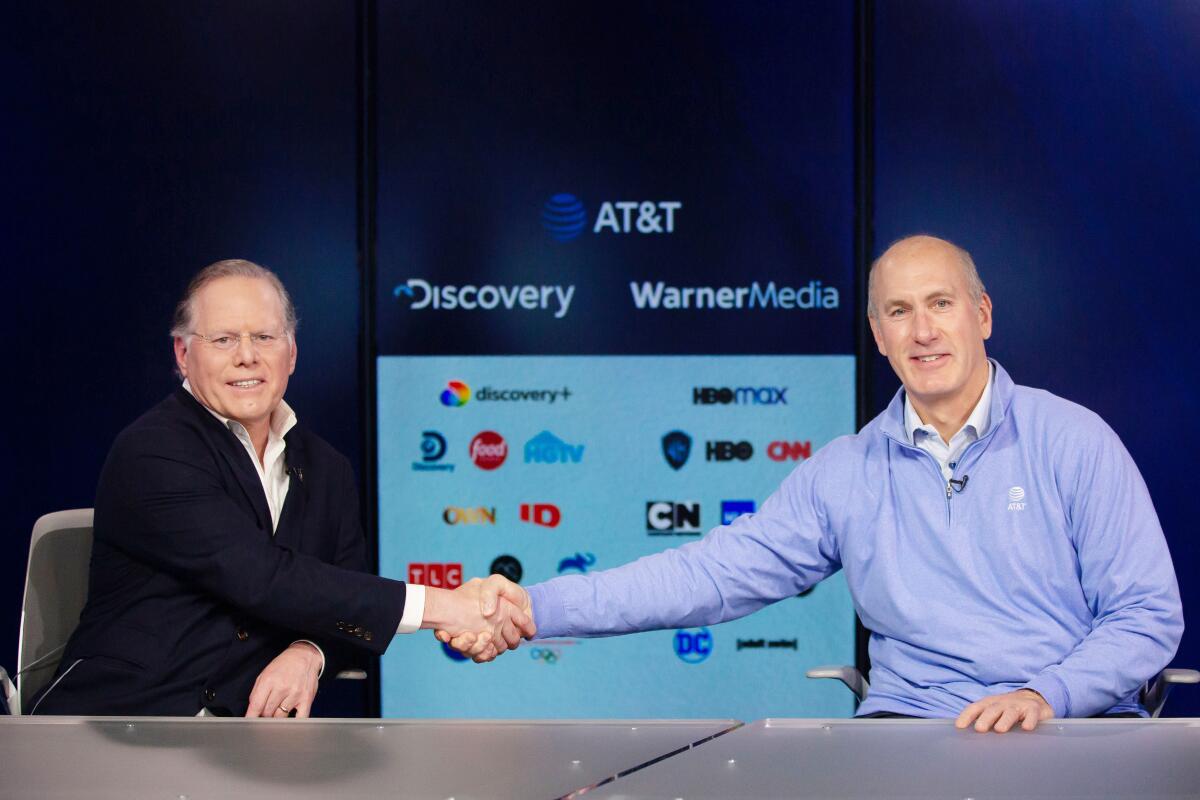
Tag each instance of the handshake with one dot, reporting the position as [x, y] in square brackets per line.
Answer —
[480, 619]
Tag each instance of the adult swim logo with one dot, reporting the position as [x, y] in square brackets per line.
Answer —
[433, 450]
[564, 217]
[519, 297]
[1016, 497]
[659, 296]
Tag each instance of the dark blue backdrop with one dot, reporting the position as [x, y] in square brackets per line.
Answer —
[1059, 143]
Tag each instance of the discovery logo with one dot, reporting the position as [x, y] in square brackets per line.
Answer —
[526, 297]
[564, 217]
[546, 448]
[661, 297]
[433, 450]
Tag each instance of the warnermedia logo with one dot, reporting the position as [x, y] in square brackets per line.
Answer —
[659, 296]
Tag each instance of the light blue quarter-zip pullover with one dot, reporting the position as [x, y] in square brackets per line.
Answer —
[1048, 570]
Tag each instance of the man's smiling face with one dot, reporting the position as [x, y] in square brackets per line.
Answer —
[928, 326]
[247, 382]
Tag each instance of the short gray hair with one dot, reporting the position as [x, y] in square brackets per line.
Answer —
[975, 288]
[181, 325]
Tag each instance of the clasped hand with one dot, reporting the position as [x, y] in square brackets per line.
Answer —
[489, 617]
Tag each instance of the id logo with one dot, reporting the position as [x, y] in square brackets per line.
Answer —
[1016, 499]
[488, 450]
[693, 645]
[544, 514]
[732, 509]
[456, 394]
[443, 576]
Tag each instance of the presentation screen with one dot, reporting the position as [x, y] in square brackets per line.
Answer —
[614, 310]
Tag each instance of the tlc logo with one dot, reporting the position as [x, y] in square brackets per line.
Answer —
[728, 451]
[443, 576]
[544, 514]
[789, 451]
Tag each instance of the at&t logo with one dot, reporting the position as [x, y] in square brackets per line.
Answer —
[1016, 499]
[488, 450]
[456, 394]
[564, 216]
[693, 645]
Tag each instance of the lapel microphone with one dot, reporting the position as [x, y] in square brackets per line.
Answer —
[960, 485]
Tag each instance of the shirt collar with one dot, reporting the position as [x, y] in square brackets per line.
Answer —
[283, 419]
[979, 420]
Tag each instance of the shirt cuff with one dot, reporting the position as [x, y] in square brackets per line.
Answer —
[414, 608]
[548, 612]
[1054, 691]
[319, 650]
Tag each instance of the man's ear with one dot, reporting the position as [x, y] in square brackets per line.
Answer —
[181, 349]
[878, 339]
[985, 315]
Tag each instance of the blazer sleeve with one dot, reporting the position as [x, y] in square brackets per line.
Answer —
[161, 500]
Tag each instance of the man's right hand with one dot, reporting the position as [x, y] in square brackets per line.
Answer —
[503, 603]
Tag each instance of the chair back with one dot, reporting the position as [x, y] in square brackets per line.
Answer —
[56, 584]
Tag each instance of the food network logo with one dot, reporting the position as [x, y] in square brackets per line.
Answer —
[519, 297]
[565, 217]
[488, 450]
[662, 297]
[741, 396]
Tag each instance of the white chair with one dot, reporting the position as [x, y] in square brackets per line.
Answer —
[56, 582]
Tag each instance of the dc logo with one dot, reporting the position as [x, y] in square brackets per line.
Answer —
[564, 217]
[456, 394]
[693, 645]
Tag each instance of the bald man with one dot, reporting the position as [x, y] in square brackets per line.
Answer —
[998, 541]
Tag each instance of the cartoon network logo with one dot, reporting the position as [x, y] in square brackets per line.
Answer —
[564, 216]
[659, 296]
[527, 297]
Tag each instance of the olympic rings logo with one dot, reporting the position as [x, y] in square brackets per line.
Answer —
[547, 655]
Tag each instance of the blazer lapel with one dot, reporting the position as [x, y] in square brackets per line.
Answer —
[290, 530]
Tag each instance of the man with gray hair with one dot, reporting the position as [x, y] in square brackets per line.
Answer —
[227, 572]
[997, 540]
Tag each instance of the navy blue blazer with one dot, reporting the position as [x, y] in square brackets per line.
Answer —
[190, 596]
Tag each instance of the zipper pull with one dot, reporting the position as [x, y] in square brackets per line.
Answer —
[948, 491]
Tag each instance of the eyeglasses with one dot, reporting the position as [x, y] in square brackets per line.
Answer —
[261, 340]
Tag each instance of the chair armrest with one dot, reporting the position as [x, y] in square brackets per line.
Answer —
[351, 675]
[846, 674]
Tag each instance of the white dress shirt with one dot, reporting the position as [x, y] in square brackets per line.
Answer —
[928, 439]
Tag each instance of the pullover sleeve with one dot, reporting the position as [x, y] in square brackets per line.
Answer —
[1126, 575]
[734, 570]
